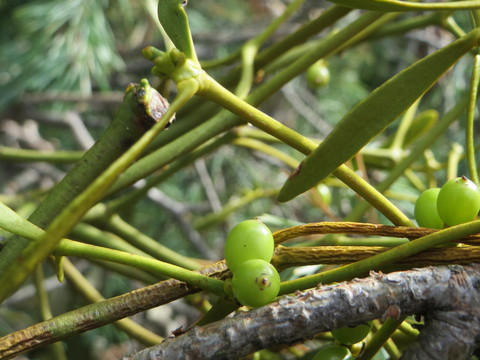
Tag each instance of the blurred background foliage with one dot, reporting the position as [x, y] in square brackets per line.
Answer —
[72, 59]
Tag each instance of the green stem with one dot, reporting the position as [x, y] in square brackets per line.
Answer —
[235, 204]
[381, 337]
[358, 29]
[128, 326]
[267, 149]
[326, 18]
[214, 91]
[454, 156]
[141, 241]
[250, 49]
[14, 223]
[372, 196]
[130, 198]
[472, 165]
[223, 121]
[301, 35]
[73, 248]
[400, 134]
[182, 145]
[27, 155]
[408, 24]
[128, 272]
[402, 5]
[57, 349]
[127, 126]
[376, 262]
[89, 234]
[21, 265]
[451, 25]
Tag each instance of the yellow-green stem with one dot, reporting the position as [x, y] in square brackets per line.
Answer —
[73, 248]
[37, 252]
[57, 349]
[214, 91]
[130, 327]
[472, 165]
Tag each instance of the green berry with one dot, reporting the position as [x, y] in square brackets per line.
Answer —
[255, 283]
[426, 212]
[333, 352]
[318, 75]
[250, 239]
[458, 201]
[351, 335]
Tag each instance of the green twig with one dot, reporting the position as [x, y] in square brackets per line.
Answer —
[127, 126]
[472, 165]
[250, 49]
[130, 198]
[141, 241]
[454, 156]
[407, 119]
[27, 155]
[131, 328]
[214, 91]
[16, 274]
[408, 24]
[91, 235]
[381, 337]
[57, 349]
[235, 204]
[267, 149]
[73, 248]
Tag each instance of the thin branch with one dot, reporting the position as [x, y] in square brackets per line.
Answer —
[286, 257]
[447, 296]
[208, 185]
[178, 211]
[98, 314]
[348, 227]
[79, 130]
[113, 97]
[303, 106]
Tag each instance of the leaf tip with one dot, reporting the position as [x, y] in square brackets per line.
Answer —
[285, 194]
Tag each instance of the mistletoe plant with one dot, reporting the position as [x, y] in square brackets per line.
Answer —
[86, 204]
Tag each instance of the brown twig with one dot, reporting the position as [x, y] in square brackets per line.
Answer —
[286, 257]
[347, 227]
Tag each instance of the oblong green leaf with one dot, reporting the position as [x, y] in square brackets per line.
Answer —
[371, 115]
[396, 5]
[174, 21]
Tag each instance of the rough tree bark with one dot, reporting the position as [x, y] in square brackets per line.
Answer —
[447, 297]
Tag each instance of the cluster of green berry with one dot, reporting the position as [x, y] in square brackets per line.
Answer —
[457, 202]
[248, 251]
